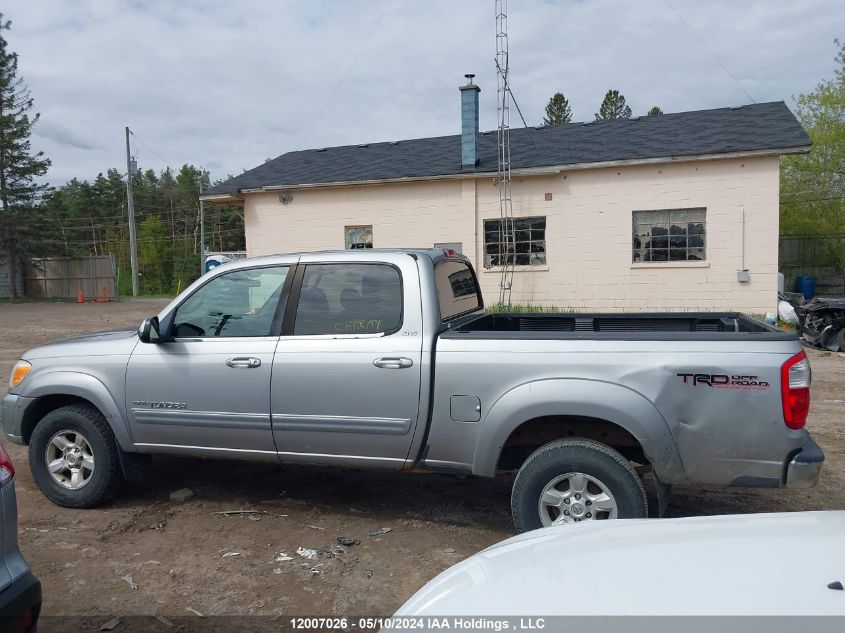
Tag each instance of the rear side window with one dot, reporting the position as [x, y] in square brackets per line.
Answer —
[349, 299]
[457, 289]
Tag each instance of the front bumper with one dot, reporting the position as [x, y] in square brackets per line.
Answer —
[803, 469]
[12, 409]
[20, 604]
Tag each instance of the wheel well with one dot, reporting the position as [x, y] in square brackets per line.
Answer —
[533, 434]
[42, 406]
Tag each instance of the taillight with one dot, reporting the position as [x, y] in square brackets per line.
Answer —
[7, 470]
[795, 379]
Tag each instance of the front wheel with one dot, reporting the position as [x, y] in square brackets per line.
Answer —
[73, 457]
[568, 481]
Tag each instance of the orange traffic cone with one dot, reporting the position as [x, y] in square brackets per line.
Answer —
[79, 297]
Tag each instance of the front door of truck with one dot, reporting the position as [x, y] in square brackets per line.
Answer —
[346, 374]
[207, 389]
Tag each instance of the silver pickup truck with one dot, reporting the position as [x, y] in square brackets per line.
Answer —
[386, 359]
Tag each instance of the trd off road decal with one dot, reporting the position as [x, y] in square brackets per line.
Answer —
[724, 381]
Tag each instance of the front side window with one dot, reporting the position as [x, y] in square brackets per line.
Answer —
[349, 299]
[359, 237]
[669, 235]
[239, 303]
[519, 241]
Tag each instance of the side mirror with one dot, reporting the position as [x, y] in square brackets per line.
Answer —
[148, 331]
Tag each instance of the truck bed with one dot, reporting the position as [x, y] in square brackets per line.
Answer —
[661, 325]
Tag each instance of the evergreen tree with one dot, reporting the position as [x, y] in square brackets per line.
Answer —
[19, 167]
[613, 107]
[557, 110]
[655, 110]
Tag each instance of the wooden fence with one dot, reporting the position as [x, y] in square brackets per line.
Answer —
[815, 256]
[64, 278]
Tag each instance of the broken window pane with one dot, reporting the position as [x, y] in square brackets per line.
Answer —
[521, 242]
[668, 235]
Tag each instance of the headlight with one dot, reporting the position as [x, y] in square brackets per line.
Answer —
[19, 372]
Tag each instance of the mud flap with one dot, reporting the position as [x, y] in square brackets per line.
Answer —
[663, 491]
[657, 492]
[136, 467]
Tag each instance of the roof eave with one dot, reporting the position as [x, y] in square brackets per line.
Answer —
[235, 197]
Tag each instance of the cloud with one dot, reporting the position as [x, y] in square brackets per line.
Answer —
[228, 84]
[61, 135]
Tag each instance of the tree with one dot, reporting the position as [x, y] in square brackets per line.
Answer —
[812, 197]
[19, 167]
[89, 218]
[655, 110]
[613, 107]
[558, 110]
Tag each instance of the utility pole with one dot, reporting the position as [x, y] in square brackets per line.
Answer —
[130, 204]
[202, 232]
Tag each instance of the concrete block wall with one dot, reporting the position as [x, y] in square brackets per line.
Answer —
[588, 231]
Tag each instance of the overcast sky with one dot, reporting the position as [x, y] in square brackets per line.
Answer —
[226, 84]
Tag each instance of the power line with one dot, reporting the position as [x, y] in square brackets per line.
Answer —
[135, 136]
[343, 77]
[707, 48]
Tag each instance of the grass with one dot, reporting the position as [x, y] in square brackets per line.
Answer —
[524, 307]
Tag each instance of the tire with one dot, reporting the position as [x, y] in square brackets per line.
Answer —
[97, 461]
[601, 470]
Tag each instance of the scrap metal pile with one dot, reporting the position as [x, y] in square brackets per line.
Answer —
[821, 323]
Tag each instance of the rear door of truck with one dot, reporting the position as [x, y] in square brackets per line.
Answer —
[346, 373]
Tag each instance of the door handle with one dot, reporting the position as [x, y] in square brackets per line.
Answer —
[244, 362]
[393, 362]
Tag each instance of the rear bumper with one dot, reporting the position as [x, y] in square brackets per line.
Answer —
[803, 469]
[20, 604]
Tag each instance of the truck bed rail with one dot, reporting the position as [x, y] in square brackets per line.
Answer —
[506, 325]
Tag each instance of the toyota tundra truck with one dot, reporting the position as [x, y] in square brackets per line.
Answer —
[387, 359]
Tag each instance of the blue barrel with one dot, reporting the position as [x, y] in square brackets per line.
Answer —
[806, 286]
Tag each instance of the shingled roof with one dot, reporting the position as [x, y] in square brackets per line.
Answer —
[751, 128]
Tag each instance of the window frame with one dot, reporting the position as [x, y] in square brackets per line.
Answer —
[289, 319]
[668, 261]
[346, 228]
[278, 315]
[529, 265]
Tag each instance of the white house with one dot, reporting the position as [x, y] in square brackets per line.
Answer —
[660, 212]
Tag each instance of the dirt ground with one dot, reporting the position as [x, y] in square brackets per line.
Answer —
[182, 556]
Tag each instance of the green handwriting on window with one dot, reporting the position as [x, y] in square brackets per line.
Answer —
[358, 325]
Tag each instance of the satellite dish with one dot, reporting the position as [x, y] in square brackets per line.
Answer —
[286, 198]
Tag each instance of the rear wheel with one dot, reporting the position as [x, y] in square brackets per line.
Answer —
[74, 457]
[574, 480]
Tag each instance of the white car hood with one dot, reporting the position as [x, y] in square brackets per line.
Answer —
[757, 564]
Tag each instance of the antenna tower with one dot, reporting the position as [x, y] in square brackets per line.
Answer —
[507, 251]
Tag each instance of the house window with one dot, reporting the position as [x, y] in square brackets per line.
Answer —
[520, 241]
[669, 235]
[359, 236]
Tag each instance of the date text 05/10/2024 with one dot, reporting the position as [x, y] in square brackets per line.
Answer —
[412, 623]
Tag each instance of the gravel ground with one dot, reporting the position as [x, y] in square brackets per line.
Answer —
[183, 556]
